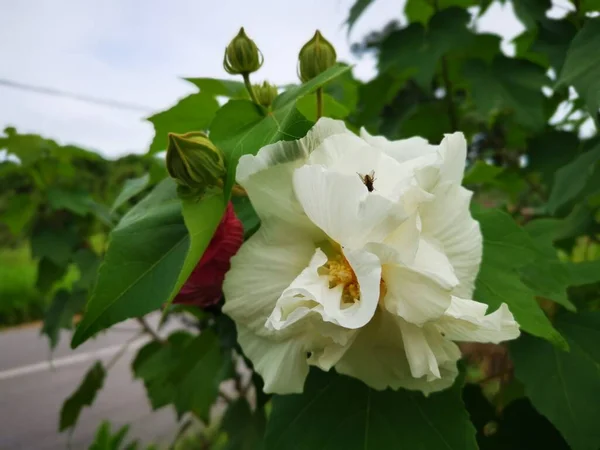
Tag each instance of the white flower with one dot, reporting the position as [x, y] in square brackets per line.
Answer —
[371, 276]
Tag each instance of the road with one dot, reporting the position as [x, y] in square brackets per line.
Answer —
[32, 392]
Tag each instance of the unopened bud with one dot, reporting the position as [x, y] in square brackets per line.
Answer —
[242, 56]
[315, 57]
[194, 162]
[265, 93]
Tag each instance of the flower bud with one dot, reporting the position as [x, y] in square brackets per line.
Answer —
[242, 56]
[315, 57]
[265, 93]
[194, 162]
[204, 285]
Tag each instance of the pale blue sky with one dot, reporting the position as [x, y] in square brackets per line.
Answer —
[135, 50]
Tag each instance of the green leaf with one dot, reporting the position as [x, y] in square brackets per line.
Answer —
[561, 385]
[224, 88]
[548, 279]
[416, 52]
[192, 113]
[549, 44]
[76, 201]
[582, 71]
[244, 428]
[87, 262]
[531, 11]
[506, 249]
[48, 273]
[481, 172]
[171, 376]
[307, 105]
[356, 11]
[422, 10]
[197, 379]
[60, 314]
[83, 396]
[241, 128]
[55, 245]
[21, 208]
[27, 147]
[548, 152]
[508, 85]
[245, 212]
[582, 273]
[148, 250]
[572, 179]
[131, 188]
[297, 92]
[341, 412]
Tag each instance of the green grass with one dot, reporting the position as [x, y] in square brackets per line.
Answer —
[20, 301]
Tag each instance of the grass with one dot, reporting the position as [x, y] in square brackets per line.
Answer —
[20, 301]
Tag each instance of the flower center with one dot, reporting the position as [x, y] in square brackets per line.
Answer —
[340, 273]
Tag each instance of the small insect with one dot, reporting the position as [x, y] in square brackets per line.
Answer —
[368, 180]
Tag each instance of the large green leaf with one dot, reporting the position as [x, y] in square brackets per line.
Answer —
[571, 179]
[146, 256]
[580, 69]
[19, 212]
[224, 88]
[531, 11]
[83, 396]
[510, 85]
[416, 51]
[307, 105]
[244, 428]
[192, 113]
[564, 386]
[131, 188]
[56, 245]
[185, 371]
[339, 412]
[582, 273]
[506, 250]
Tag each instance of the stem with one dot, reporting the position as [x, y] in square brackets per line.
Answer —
[249, 87]
[319, 103]
[449, 100]
[148, 329]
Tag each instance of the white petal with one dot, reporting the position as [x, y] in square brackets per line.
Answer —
[308, 293]
[350, 155]
[377, 358]
[453, 149]
[431, 261]
[367, 269]
[466, 321]
[448, 221]
[267, 177]
[282, 364]
[401, 150]
[421, 358]
[399, 247]
[413, 296]
[342, 207]
[262, 269]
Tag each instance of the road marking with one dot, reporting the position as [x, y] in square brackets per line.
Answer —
[69, 360]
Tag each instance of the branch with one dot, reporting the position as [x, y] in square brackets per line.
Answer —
[148, 329]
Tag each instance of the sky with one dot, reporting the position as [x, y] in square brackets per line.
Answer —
[137, 51]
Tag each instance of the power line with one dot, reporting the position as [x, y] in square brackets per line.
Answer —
[82, 98]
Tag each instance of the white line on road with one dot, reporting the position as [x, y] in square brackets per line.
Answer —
[69, 360]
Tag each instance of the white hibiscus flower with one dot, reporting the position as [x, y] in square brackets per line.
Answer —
[365, 261]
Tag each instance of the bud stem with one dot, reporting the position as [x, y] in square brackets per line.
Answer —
[319, 103]
[249, 87]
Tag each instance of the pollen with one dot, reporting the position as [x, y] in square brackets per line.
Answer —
[340, 273]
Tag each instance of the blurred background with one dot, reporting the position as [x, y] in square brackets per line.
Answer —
[77, 82]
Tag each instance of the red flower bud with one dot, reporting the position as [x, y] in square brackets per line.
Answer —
[203, 287]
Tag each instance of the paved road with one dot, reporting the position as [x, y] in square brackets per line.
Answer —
[31, 393]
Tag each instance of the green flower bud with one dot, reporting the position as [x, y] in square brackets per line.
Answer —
[315, 57]
[194, 162]
[242, 56]
[265, 93]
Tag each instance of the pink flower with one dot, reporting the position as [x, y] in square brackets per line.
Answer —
[203, 287]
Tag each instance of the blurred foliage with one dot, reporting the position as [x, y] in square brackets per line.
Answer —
[530, 121]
